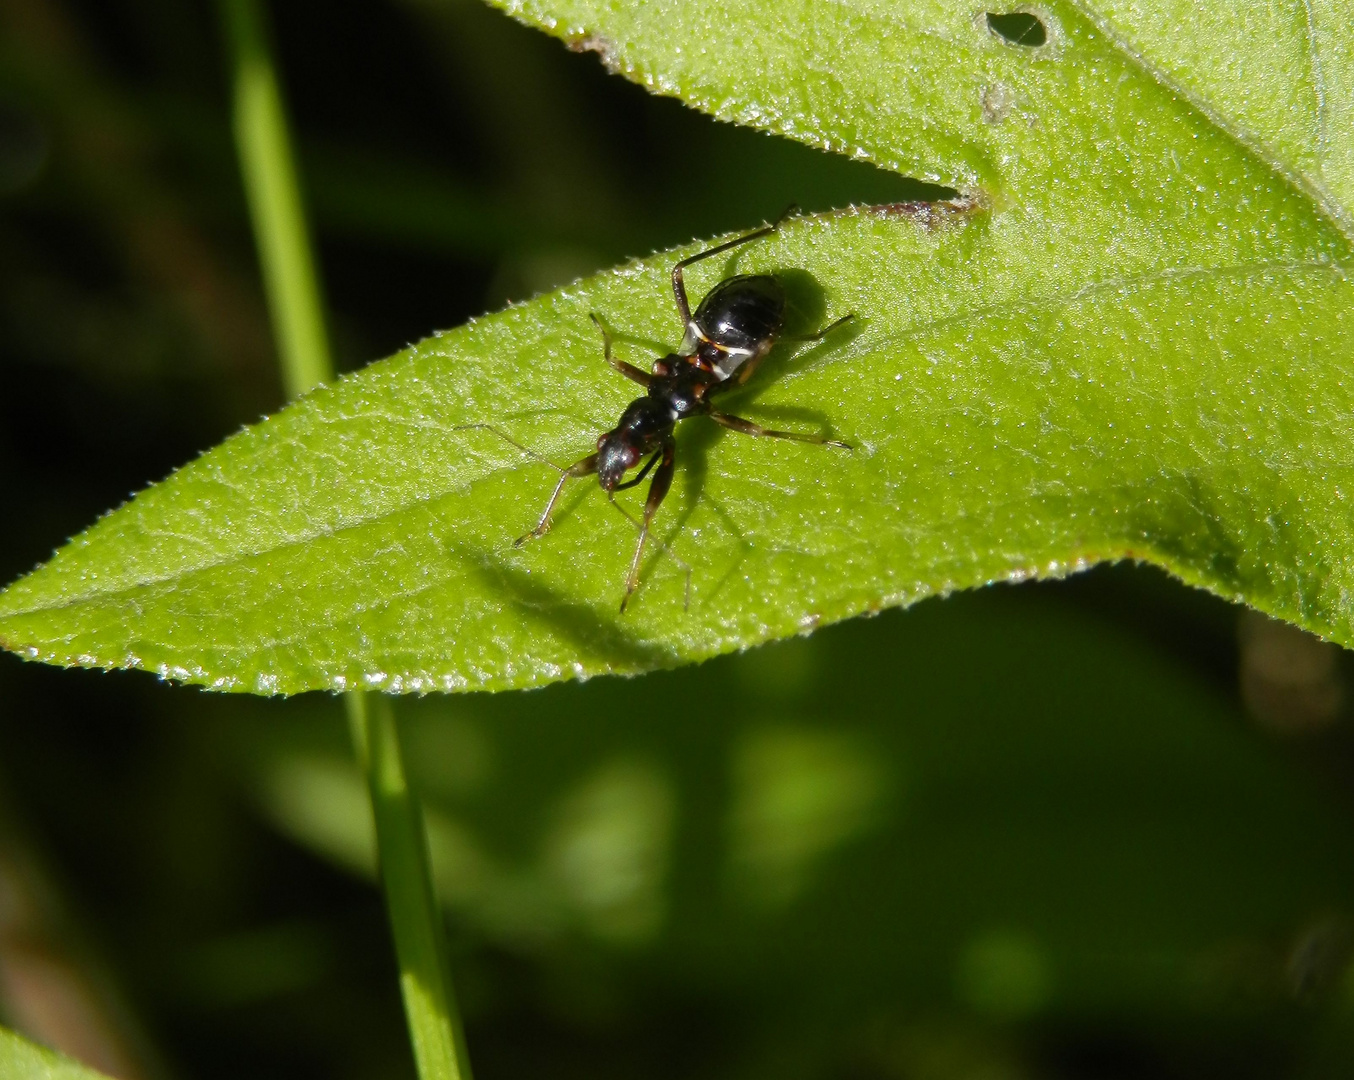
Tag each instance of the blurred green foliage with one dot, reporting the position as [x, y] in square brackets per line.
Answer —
[1068, 830]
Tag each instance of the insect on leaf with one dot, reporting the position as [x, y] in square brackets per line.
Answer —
[1128, 338]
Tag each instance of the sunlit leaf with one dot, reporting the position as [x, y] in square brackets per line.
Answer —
[1126, 338]
[22, 1060]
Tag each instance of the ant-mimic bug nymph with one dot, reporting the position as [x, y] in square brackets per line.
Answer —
[726, 339]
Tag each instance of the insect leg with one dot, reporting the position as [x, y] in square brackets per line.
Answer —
[586, 467]
[679, 282]
[745, 371]
[825, 330]
[748, 367]
[747, 427]
[662, 480]
[686, 566]
[628, 370]
[639, 476]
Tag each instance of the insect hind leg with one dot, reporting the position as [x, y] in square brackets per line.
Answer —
[747, 427]
[679, 281]
[820, 334]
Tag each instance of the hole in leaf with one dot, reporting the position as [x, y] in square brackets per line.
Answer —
[1018, 28]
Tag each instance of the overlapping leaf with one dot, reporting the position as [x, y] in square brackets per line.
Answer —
[1128, 338]
[22, 1060]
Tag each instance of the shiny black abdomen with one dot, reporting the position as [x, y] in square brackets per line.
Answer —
[743, 312]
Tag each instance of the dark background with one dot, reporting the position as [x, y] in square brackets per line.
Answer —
[1097, 828]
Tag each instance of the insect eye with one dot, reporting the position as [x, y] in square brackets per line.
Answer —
[660, 367]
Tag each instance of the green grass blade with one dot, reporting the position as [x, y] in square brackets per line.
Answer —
[298, 318]
[274, 194]
[429, 1003]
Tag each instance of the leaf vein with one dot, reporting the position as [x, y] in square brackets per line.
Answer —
[1311, 188]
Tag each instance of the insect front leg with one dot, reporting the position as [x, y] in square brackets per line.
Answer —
[662, 480]
[638, 478]
[586, 467]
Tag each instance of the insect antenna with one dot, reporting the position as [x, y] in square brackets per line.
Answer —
[511, 442]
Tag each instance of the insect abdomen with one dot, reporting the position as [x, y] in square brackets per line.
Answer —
[742, 314]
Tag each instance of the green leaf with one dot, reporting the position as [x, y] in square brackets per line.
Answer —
[1126, 339]
[22, 1060]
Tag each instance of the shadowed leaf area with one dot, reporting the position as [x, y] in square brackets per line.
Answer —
[1125, 338]
[872, 848]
